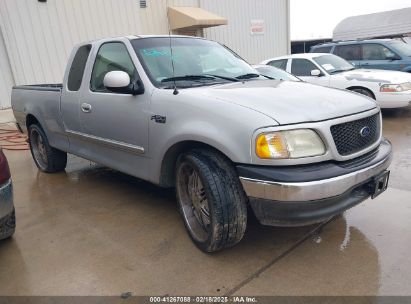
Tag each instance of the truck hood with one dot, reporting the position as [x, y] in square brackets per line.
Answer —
[380, 76]
[288, 102]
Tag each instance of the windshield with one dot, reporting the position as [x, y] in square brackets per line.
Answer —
[402, 48]
[333, 64]
[196, 62]
[275, 73]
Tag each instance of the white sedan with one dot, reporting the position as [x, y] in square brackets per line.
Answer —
[391, 89]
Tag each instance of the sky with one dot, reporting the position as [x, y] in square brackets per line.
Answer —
[317, 18]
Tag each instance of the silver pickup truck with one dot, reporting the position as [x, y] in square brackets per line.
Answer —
[189, 113]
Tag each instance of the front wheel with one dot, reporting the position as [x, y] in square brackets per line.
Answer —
[47, 158]
[211, 200]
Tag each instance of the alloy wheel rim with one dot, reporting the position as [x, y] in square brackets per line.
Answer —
[39, 149]
[194, 202]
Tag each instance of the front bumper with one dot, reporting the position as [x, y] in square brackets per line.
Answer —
[6, 199]
[394, 100]
[300, 195]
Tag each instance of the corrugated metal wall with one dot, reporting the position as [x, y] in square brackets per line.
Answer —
[6, 76]
[39, 36]
[254, 48]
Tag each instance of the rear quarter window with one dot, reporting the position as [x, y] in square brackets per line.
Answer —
[77, 68]
[321, 49]
[279, 64]
[348, 52]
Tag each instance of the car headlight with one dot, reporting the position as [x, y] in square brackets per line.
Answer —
[289, 144]
[394, 88]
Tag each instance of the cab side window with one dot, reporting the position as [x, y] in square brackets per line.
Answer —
[373, 51]
[111, 56]
[77, 68]
[348, 52]
[280, 64]
[302, 67]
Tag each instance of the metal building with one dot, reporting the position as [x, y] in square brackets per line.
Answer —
[390, 24]
[36, 36]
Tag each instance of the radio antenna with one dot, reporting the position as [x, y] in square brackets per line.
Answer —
[175, 92]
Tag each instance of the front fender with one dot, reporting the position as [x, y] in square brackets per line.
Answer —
[193, 117]
[236, 147]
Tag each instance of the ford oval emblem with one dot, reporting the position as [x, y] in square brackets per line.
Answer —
[365, 131]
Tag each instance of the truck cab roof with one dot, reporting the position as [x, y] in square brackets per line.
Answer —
[132, 37]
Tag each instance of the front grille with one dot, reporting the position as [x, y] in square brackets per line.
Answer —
[351, 137]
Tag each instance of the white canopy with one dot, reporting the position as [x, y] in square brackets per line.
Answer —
[378, 25]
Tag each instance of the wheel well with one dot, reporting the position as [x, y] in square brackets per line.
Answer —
[31, 119]
[362, 88]
[168, 165]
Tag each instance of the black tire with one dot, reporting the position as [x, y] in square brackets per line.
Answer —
[364, 92]
[218, 187]
[7, 226]
[47, 158]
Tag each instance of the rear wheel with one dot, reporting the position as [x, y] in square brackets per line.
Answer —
[47, 158]
[363, 91]
[211, 200]
[7, 226]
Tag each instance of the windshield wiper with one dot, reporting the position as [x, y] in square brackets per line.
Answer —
[223, 77]
[248, 76]
[342, 70]
[337, 71]
[198, 78]
[188, 77]
[269, 77]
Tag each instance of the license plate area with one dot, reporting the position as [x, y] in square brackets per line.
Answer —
[380, 183]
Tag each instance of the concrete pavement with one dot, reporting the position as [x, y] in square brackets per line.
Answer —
[94, 231]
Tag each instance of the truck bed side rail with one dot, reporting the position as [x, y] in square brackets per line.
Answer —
[56, 87]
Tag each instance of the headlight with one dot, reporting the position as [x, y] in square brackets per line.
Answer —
[394, 88]
[289, 144]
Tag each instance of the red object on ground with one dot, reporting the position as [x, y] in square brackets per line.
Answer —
[12, 139]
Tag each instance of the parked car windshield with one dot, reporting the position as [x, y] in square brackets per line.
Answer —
[401, 48]
[275, 73]
[196, 62]
[333, 64]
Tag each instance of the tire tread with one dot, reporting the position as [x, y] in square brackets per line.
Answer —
[57, 160]
[228, 198]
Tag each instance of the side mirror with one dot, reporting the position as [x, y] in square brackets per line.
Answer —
[316, 73]
[119, 82]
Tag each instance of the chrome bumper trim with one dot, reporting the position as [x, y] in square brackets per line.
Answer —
[309, 191]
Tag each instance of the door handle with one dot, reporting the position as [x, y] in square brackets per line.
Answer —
[86, 108]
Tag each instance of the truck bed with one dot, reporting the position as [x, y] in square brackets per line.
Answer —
[42, 101]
